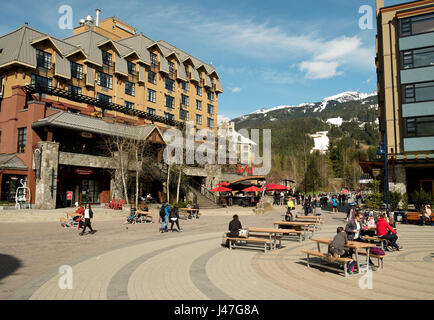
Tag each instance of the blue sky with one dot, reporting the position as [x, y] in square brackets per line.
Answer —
[267, 53]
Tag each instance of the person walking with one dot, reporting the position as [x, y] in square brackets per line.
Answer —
[88, 215]
[164, 217]
[335, 205]
[174, 218]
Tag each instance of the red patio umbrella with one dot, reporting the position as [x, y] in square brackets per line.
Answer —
[345, 191]
[224, 184]
[276, 187]
[252, 189]
[221, 189]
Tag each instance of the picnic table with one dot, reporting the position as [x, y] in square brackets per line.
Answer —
[297, 225]
[192, 213]
[274, 234]
[353, 245]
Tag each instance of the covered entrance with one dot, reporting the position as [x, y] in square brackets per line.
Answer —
[82, 185]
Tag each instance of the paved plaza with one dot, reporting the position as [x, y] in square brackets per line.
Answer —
[137, 262]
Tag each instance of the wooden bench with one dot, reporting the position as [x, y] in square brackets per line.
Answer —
[377, 240]
[322, 256]
[186, 213]
[415, 216]
[379, 258]
[249, 239]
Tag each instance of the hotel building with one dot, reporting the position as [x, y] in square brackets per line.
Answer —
[60, 99]
[405, 69]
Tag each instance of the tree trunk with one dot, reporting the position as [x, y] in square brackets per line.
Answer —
[179, 184]
[167, 184]
[124, 182]
[137, 178]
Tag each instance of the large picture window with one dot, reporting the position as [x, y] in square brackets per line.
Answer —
[418, 92]
[417, 25]
[103, 98]
[169, 101]
[41, 81]
[419, 127]
[152, 77]
[170, 84]
[417, 58]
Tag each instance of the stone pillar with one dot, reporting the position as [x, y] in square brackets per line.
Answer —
[116, 186]
[46, 185]
[397, 180]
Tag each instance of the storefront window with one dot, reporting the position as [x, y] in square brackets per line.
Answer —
[89, 191]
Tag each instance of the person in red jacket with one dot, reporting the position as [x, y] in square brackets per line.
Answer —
[385, 231]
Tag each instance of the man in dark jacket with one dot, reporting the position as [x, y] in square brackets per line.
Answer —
[234, 228]
[174, 218]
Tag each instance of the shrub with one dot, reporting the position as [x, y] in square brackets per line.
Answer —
[394, 200]
[420, 199]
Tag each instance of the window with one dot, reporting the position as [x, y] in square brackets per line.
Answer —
[419, 127]
[154, 59]
[198, 119]
[107, 58]
[184, 100]
[152, 77]
[183, 115]
[417, 58]
[198, 105]
[185, 86]
[199, 91]
[131, 68]
[104, 80]
[76, 70]
[168, 116]
[210, 123]
[152, 95]
[169, 101]
[171, 67]
[129, 88]
[418, 92]
[22, 137]
[210, 95]
[129, 105]
[151, 111]
[103, 98]
[210, 109]
[43, 59]
[41, 81]
[417, 25]
[74, 90]
[170, 84]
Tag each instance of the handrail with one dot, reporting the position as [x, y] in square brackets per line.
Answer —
[204, 191]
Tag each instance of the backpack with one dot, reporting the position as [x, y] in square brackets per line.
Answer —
[162, 212]
[377, 251]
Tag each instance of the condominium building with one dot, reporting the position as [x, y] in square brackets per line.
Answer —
[60, 98]
[405, 68]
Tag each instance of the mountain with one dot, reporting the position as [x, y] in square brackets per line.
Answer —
[348, 114]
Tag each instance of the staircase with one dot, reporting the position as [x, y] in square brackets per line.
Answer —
[205, 198]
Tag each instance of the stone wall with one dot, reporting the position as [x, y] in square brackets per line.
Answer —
[45, 197]
[84, 160]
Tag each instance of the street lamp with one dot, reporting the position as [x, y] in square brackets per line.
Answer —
[382, 151]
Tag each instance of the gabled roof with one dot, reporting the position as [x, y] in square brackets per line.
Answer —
[11, 162]
[80, 122]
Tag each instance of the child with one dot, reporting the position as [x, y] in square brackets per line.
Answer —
[336, 247]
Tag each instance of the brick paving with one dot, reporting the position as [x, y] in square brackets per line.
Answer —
[141, 263]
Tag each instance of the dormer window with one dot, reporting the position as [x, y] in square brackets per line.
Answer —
[154, 60]
[107, 58]
[171, 67]
[131, 68]
[43, 59]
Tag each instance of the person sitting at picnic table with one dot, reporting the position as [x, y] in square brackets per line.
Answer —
[79, 217]
[336, 248]
[385, 231]
[131, 216]
[234, 228]
[353, 230]
[369, 227]
[426, 215]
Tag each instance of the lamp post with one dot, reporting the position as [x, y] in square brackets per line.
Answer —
[382, 151]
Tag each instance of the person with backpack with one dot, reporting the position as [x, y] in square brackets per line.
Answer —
[88, 214]
[174, 218]
[164, 217]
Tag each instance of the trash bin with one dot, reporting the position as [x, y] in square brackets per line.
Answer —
[400, 216]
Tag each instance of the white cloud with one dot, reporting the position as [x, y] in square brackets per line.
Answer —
[236, 90]
[320, 69]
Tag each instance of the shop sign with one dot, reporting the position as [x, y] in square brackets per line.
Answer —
[83, 171]
[68, 195]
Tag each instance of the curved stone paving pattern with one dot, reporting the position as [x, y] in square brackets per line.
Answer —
[194, 266]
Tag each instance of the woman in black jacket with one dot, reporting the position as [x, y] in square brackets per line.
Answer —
[174, 218]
